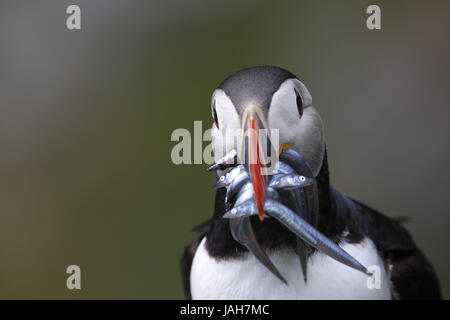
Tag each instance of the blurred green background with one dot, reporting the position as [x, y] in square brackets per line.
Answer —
[86, 118]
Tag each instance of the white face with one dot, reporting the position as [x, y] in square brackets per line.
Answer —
[303, 133]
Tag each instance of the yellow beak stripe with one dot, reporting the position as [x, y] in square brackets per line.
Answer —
[284, 147]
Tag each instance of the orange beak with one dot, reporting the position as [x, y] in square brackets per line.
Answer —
[255, 158]
[259, 180]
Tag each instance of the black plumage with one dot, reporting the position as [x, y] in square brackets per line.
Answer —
[254, 85]
[411, 275]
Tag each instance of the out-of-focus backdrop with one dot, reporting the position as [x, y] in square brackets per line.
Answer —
[86, 117]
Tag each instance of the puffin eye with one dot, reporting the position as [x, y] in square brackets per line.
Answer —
[216, 120]
[299, 103]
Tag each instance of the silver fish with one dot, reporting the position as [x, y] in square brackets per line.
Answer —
[236, 185]
[296, 199]
[245, 209]
[291, 158]
[289, 181]
[228, 160]
[310, 235]
[226, 179]
[242, 232]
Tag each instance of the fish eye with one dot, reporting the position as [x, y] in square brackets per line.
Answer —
[299, 103]
[302, 178]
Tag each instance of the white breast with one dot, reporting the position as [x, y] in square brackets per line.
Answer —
[247, 278]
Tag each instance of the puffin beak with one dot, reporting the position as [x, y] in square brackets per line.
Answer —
[255, 151]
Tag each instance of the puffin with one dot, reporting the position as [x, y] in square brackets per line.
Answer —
[216, 265]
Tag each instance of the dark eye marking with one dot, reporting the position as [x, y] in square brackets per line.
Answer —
[299, 103]
[216, 120]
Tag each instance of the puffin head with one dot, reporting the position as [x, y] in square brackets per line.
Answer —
[265, 99]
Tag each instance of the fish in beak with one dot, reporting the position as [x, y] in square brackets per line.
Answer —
[255, 151]
[255, 187]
